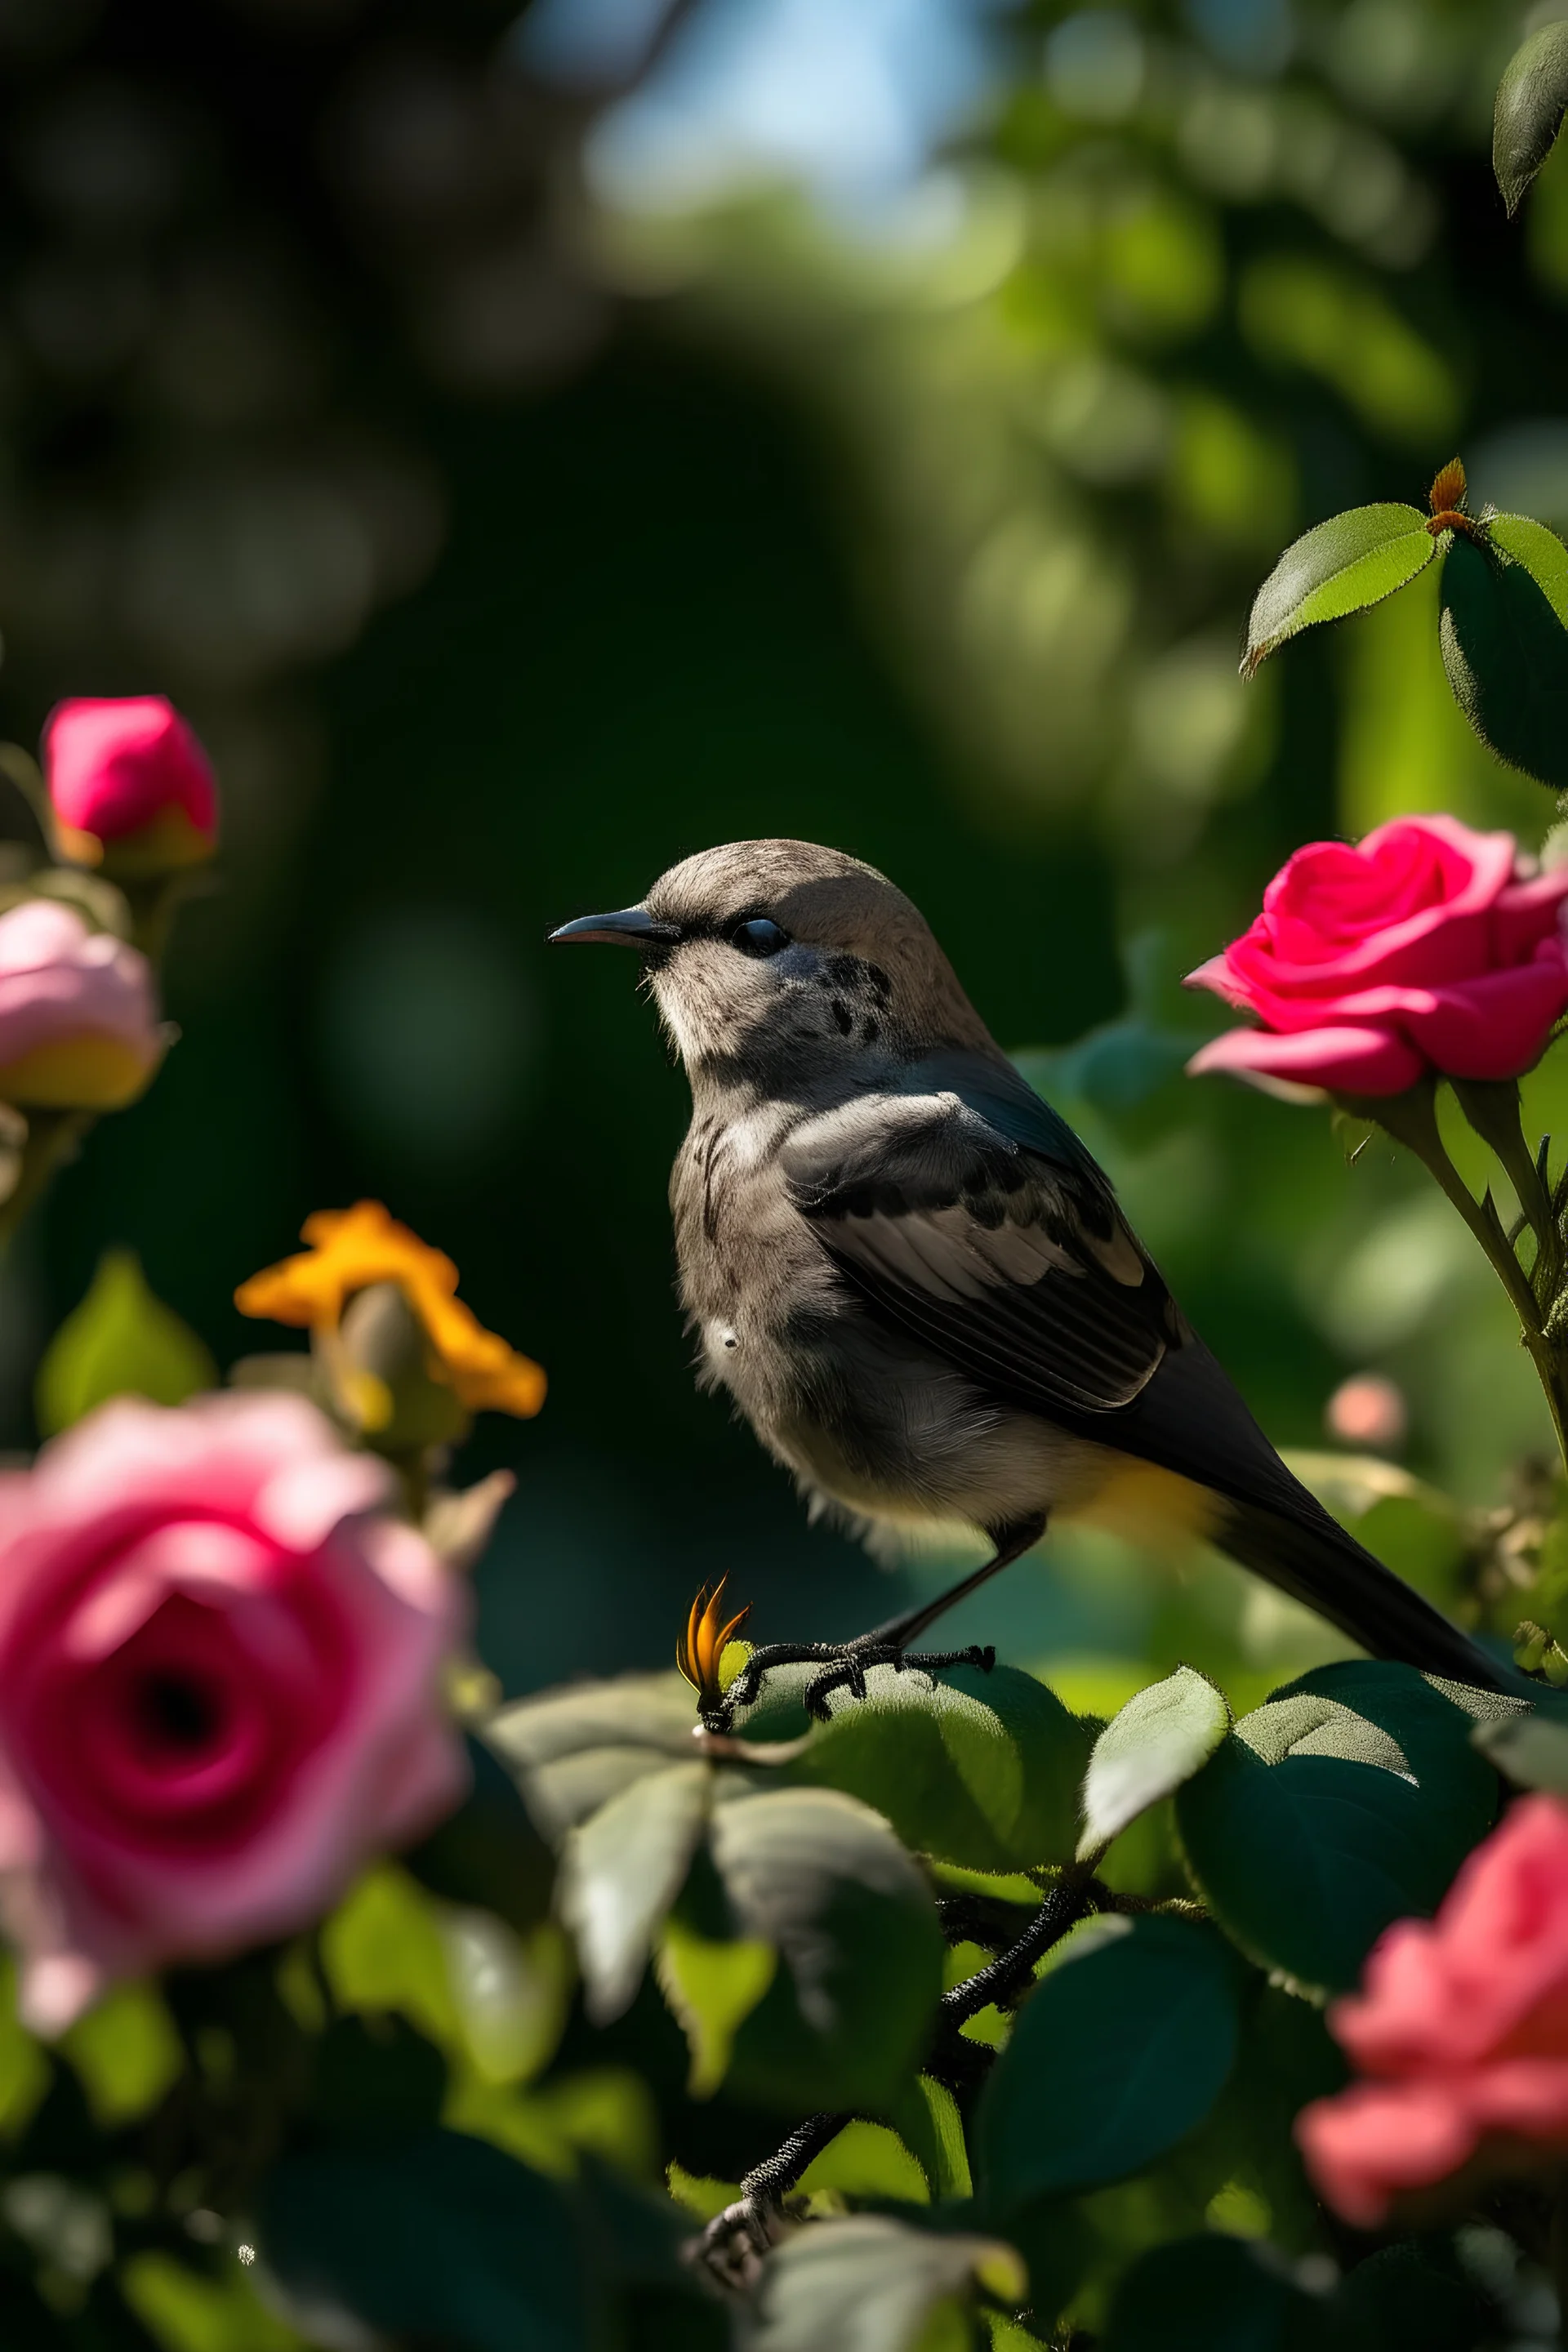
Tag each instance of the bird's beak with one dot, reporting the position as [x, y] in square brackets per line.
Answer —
[634, 927]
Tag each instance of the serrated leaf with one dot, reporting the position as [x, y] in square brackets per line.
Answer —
[1341, 566]
[1506, 652]
[1528, 115]
[621, 1870]
[1118, 2053]
[871, 2284]
[1160, 1738]
[823, 1880]
[1311, 1829]
[120, 1341]
[982, 1770]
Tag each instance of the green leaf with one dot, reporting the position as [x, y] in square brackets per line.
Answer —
[1539, 552]
[1343, 566]
[189, 2312]
[1529, 1750]
[1215, 2294]
[1506, 652]
[488, 1854]
[712, 1986]
[1160, 1738]
[120, 1341]
[1346, 1802]
[824, 1881]
[871, 2284]
[982, 1770]
[1530, 99]
[621, 1870]
[126, 2052]
[439, 2236]
[926, 2117]
[868, 2162]
[573, 1750]
[1118, 2053]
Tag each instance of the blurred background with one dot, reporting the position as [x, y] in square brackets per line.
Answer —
[533, 448]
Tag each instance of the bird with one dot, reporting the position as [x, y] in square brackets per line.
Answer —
[916, 1283]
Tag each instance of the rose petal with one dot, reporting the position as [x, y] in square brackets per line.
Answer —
[1346, 1060]
[1373, 2142]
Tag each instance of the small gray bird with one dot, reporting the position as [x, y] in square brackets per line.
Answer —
[915, 1281]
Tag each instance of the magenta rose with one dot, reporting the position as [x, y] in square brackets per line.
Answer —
[220, 1660]
[79, 1013]
[1425, 947]
[127, 775]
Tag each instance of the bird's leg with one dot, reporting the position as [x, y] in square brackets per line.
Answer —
[843, 1663]
[735, 2242]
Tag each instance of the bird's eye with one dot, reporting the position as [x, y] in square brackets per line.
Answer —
[758, 936]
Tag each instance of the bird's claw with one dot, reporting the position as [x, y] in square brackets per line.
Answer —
[737, 2241]
[843, 1667]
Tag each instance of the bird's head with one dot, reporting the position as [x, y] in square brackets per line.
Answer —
[777, 961]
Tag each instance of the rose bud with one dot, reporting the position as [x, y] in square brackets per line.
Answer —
[220, 1670]
[131, 788]
[79, 1023]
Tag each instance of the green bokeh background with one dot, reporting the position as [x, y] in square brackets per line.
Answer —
[941, 555]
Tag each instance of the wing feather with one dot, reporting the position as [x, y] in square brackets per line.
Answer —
[1008, 1256]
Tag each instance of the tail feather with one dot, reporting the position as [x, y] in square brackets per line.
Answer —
[1309, 1556]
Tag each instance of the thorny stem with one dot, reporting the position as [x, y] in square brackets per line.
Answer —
[1412, 1119]
[1491, 1105]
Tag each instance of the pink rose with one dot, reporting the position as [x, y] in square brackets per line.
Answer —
[79, 1023]
[219, 1660]
[128, 772]
[1427, 947]
[1462, 2025]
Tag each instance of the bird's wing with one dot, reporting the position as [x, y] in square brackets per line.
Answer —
[972, 1215]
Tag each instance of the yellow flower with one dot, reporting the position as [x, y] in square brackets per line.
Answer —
[699, 1653]
[352, 1248]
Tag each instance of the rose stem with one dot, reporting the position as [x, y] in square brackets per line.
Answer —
[1412, 1119]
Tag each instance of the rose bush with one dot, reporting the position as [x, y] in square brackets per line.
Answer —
[79, 1017]
[1461, 2025]
[1427, 946]
[128, 774]
[218, 1686]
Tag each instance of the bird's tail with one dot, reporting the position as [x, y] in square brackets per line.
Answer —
[1309, 1556]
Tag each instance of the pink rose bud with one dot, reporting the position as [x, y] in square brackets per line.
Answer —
[129, 784]
[1427, 947]
[1460, 2031]
[79, 1020]
[1367, 1410]
[219, 1670]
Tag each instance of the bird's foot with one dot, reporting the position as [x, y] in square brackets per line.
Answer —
[843, 1665]
[737, 2241]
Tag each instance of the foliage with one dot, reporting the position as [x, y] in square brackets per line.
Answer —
[980, 2013]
